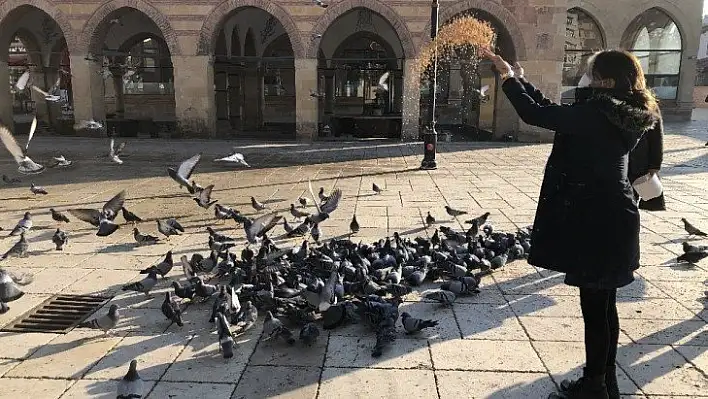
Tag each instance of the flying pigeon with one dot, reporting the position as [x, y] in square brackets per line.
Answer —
[60, 238]
[131, 386]
[89, 125]
[25, 165]
[102, 219]
[61, 162]
[320, 3]
[236, 158]
[203, 197]
[47, 96]
[38, 190]
[33, 128]
[105, 323]
[383, 85]
[114, 153]
[256, 228]
[482, 93]
[22, 81]
[324, 210]
[184, 171]
[479, 220]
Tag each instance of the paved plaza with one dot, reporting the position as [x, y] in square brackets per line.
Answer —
[517, 339]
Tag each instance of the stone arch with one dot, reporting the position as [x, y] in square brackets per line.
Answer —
[213, 22]
[593, 16]
[9, 7]
[674, 13]
[335, 11]
[93, 31]
[504, 17]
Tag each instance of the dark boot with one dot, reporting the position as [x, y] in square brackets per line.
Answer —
[586, 387]
[613, 390]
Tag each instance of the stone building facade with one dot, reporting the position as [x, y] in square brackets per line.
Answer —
[293, 69]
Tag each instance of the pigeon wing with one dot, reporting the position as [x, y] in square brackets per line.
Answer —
[483, 90]
[11, 144]
[187, 167]
[33, 127]
[205, 195]
[113, 152]
[333, 202]
[91, 216]
[22, 81]
[259, 224]
[120, 148]
[314, 198]
[172, 222]
[115, 204]
[383, 79]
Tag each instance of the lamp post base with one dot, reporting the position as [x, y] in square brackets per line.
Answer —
[430, 144]
[428, 165]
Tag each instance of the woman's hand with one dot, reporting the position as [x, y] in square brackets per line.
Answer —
[502, 66]
[518, 70]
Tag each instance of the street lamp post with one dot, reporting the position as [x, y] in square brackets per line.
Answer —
[430, 136]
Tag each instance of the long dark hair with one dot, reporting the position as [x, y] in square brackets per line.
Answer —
[625, 72]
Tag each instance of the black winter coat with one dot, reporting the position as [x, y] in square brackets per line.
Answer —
[587, 222]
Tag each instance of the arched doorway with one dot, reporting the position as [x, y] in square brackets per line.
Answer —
[655, 39]
[254, 76]
[583, 37]
[355, 51]
[135, 74]
[460, 110]
[35, 42]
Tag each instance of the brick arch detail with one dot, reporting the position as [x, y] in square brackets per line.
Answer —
[594, 13]
[389, 14]
[47, 7]
[676, 15]
[92, 32]
[504, 18]
[213, 22]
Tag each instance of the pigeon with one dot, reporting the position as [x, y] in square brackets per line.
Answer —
[320, 3]
[321, 195]
[19, 250]
[9, 285]
[224, 212]
[297, 213]
[376, 188]
[688, 247]
[442, 296]
[203, 197]
[327, 296]
[479, 220]
[3, 307]
[184, 171]
[203, 290]
[247, 316]
[171, 309]
[105, 323]
[324, 210]
[22, 81]
[255, 229]
[10, 180]
[89, 125]
[316, 36]
[316, 233]
[184, 292]
[129, 216]
[300, 230]
[33, 129]
[454, 212]
[144, 239]
[303, 201]
[131, 386]
[274, 328]
[412, 325]
[309, 334]
[38, 190]
[102, 219]
[58, 216]
[23, 226]
[429, 219]
[691, 229]
[25, 164]
[162, 268]
[61, 162]
[114, 153]
[482, 93]
[354, 225]
[169, 227]
[47, 96]
[219, 237]
[226, 338]
[144, 285]
[236, 158]
[287, 227]
[382, 87]
[60, 238]
[257, 205]
[692, 257]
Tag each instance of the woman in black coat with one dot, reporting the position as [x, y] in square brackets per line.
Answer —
[647, 157]
[587, 221]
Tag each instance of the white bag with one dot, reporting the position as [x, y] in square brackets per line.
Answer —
[648, 186]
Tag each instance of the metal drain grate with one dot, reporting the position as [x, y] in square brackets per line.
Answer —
[58, 314]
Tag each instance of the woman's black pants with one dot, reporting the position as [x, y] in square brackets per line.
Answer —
[601, 329]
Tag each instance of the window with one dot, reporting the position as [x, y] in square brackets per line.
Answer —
[655, 39]
[583, 37]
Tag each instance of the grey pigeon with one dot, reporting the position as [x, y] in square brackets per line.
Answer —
[186, 292]
[171, 309]
[297, 213]
[25, 164]
[688, 247]
[327, 295]
[144, 285]
[287, 227]
[274, 328]
[316, 233]
[257, 205]
[131, 386]
[104, 218]
[692, 257]
[144, 239]
[247, 317]
[19, 250]
[37, 190]
[187, 267]
[203, 197]
[58, 216]
[309, 333]
[114, 152]
[376, 188]
[9, 285]
[163, 267]
[130, 217]
[480, 220]
[169, 227]
[692, 230]
[202, 289]
[219, 237]
[60, 238]
[23, 226]
[226, 338]
[255, 229]
[303, 201]
[182, 173]
[442, 296]
[105, 323]
[412, 325]
[454, 212]
[301, 229]
[354, 225]
[327, 207]
[429, 219]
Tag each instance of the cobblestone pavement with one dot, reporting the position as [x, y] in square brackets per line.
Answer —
[517, 339]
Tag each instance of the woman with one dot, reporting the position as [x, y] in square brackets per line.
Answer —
[647, 157]
[587, 221]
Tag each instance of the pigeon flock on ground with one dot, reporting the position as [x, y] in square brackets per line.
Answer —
[296, 290]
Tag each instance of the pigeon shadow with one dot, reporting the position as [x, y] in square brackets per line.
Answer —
[118, 248]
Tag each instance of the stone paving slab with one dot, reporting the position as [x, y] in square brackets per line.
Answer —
[516, 339]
